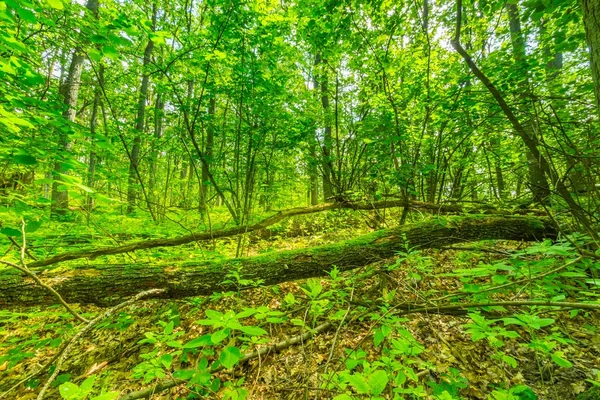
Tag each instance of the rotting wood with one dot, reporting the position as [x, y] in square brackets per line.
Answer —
[263, 224]
[109, 284]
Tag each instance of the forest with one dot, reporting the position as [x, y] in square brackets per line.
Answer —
[300, 199]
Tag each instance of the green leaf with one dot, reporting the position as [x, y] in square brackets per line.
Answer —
[169, 328]
[184, 374]
[343, 396]
[87, 384]
[215, 385]
[33, 226]
[25, 159]
[253, 330]
[246, 313]
[107, 396]
[509, 360]
[201, 378]
[219, 336]
[557, 357]
[524, 392]
[204, 340]
[12, 122]
[220, 55]
[214, 315]
[378, 337]
[230, 356]
[110, 52]
[166, 360]
[86, 189]
[27, 15]
[359, 383]
[541, 322]
[95, 55]
[378, 381]
[10, 232]
[56, 4]
[98, 39]
[68, 391]
[512, 321]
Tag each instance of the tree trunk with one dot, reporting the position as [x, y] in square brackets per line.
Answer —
[313, 169]
[139, 125]
[108, 284]
[208, 152]
[159, 111]
[70, 93]
[531, 142]
[591, 21]
[327, 139]
[91, 176]
[537, 178]
[314, 179]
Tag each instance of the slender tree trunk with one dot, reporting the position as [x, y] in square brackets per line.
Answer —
[313, 169]
[554, 66]
[591, 22]
[159, 109]
[499, 179]
[91, 176]
[327, 139]
[474, 194]
[531, 142]
[208, 153]
[313, 173]
[495, 149]
[132, 183]
[537, 179]
[70, 93]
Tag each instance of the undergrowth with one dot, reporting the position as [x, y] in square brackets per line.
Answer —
[399, 329]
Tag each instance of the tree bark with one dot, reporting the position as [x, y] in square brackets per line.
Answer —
[91, 175]
[537, 178]
[139, 125]
[327, 139]
[159, 111]
[70, 93]
[313, 172]
[108, 284]
[263, 224]
[591, 21]
[208, 153]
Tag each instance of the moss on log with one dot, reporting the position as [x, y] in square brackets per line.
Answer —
[109, 284]
[94, 252]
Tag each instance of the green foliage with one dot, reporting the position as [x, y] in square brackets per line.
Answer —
[158, 119]
[71, 391]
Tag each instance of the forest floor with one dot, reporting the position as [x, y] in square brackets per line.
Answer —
[448, 357]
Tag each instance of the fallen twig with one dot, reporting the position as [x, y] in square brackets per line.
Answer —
[277, 347]
[68, 348]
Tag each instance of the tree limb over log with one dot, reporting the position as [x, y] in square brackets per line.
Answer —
[281, 215]
[109, 284]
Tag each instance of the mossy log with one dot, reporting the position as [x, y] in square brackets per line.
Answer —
[109, 284]
[264, 224]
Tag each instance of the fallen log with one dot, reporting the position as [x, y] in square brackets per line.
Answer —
[265, 223]
[109, 284]
[237, 230]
